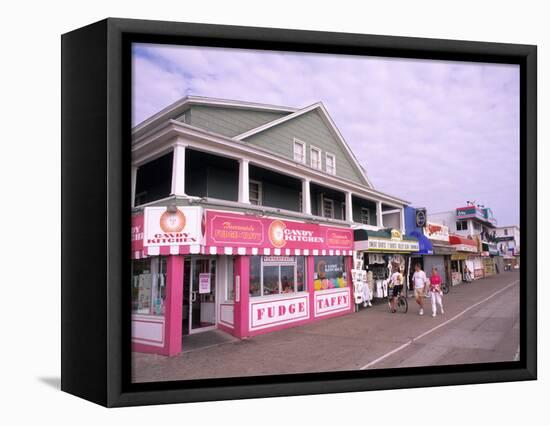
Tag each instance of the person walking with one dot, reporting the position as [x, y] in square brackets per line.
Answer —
[435, 292]
[467, 274]
[396, 287]
[419, 280]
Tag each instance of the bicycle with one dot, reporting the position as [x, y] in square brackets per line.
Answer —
[445, 287]
[401, 304]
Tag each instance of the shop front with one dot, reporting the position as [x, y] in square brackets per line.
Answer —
[439, 257]
[465, 258]
[383, 251]
[196, 269]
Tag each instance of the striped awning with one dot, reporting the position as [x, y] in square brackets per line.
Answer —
[232, 251]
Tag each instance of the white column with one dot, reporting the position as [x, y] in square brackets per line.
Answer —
[244, 184]
[178, 170]
[133, 189]
[306, 196]
[403, 221]
[379, 221]
[349, 207]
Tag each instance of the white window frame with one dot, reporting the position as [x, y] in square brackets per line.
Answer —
[229, 277]
[260, 193]
[462, 226]
[294, 264]
[333, 172]
[320, 165]
[363, 211]
[303, 144]
[323, 199]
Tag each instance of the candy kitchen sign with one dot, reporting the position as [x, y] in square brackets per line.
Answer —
[172, 226]
[436, 232]
[234, 230]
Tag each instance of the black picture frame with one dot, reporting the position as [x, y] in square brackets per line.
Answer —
[96, 126]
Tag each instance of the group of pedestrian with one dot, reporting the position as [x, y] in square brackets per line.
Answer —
[431, 285]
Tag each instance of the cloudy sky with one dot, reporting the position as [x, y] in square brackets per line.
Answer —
[435, 133]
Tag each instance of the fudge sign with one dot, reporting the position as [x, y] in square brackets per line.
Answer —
[264, 314]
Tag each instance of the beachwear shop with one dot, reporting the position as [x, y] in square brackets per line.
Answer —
[381, 252]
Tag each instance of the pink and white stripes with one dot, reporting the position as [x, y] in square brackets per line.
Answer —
[233, 251]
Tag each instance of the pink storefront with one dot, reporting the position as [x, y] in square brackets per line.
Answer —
[196, 269]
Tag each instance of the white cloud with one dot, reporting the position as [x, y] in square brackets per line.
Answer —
[433, 132]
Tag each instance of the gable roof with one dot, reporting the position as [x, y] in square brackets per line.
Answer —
[330, 125]
[181, 105]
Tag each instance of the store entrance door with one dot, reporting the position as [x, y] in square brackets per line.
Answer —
[199, 294]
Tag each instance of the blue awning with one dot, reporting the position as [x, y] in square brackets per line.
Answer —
[424, 243]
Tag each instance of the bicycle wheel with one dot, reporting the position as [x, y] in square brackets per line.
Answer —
[402, 304]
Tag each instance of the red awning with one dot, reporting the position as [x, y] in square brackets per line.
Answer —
[455, 240]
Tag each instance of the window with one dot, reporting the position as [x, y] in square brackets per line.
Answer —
[365, 215]
[331, 164]
[299, 151]
[230, 284]
[328, 208]
[315, 155]
[255, 192]
[462, 225]
[329, 272]
[505, 232]
[149, 286]
[477, 226]
[271, 275]
[154, 180]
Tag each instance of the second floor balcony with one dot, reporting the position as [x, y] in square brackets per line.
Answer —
[204, 176]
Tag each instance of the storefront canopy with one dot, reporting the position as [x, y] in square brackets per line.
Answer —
[463, 244]
[385, 240]
[443, 249]
[193, 230]
[424, 243]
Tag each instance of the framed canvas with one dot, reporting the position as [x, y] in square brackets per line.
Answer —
[256, 212]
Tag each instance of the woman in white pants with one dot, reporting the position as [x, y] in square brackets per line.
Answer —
[435, 292]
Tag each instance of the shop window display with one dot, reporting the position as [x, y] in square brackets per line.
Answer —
[271, 275]
[149, 286]
[329, 272]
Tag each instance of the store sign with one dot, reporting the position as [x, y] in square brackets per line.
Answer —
[390, 245]
[396, 235]
[436, 232]
[204, 282]
[279, 259]
[331, 301]
[465, 247]
[136, 232]
[165, 226]
[271, 313]
[234, 230]
[420, 217]
[470, 212]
